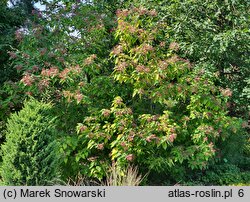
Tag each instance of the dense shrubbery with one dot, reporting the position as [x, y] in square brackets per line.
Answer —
[141, 86]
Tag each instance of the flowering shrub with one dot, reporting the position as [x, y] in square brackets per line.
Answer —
[124, 96]
[187, 117]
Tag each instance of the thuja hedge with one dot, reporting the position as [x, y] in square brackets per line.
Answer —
[30, 153]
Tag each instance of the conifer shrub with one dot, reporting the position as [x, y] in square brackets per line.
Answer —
[30, 154]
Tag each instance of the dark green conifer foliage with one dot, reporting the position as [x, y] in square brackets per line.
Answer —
[30, 154]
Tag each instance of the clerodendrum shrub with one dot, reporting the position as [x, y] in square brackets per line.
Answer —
[30, 153]
[184, 117]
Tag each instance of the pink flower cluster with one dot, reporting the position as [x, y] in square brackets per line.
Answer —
[153, 118]
[226, 92]
[19, 67]
[123, 144]
[106, 113]
[122, 112]
[162, 44]
[118, 100]
[25, 55]
[27, 80]
[139, 11]
[121, 67]
[83, 128]
[63, 74]
[173, 59]
[142, 69]
[144, 48]
[152, 137]
[163, 64]
[211, 146]
[51, 72]
[144, 11]
[130, 157]
[78, 96]
[117, 50]
[172, 137]
[12, 55]
[89, 60]
[76, 69]
[44, 83]
[35, 68]
[131, 137]
[174, 46]
[122, 13]
[100, 146]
